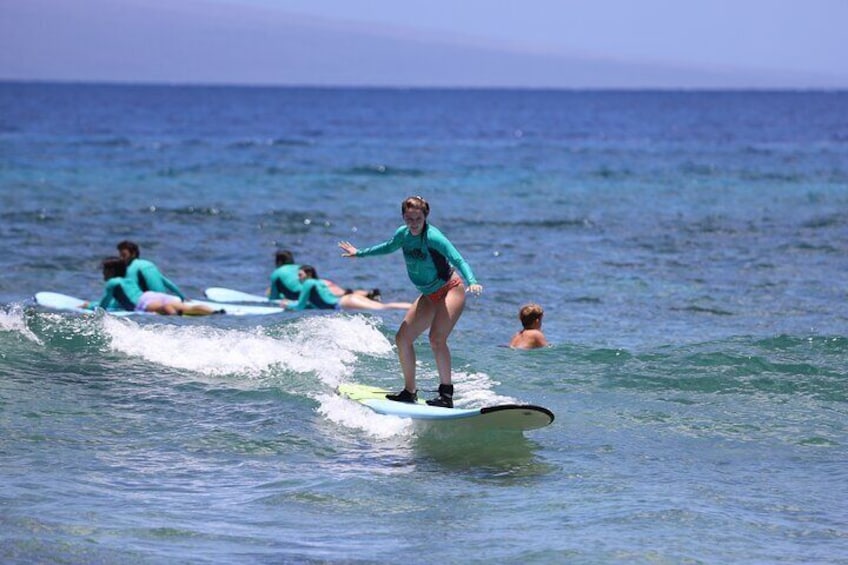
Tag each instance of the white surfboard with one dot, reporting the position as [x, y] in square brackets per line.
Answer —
[220, 294]
[510, 417]
[58, 301]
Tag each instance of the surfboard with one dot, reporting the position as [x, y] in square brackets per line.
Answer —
[511, 417]
[63, 302]
[220, 294]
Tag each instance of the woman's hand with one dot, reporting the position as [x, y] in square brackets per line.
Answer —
[476, 289]
[348, 250]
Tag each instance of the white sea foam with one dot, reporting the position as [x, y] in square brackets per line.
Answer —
[476, 390]
[353, 415]
[12, 320]
[325, 346]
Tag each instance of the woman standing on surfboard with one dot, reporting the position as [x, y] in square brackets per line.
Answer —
[431, 262]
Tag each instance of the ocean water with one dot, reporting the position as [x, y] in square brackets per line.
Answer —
[690, 250]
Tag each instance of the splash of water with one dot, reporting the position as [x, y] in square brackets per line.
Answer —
[12, 320]
[321, 345]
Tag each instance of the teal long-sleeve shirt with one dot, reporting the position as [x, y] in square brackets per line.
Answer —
[430, 257]
[314, 293]
[119, 293]
[148, 277]
[284, 283]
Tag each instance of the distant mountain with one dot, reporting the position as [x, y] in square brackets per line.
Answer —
[196, 41]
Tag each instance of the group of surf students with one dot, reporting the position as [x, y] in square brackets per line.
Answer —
[434, 266]
[298, 287]
[136, 284]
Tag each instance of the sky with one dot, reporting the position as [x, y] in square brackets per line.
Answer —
[433, 43]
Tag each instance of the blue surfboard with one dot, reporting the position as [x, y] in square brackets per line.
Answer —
[58, 301]
[512, 417]
[221, 294]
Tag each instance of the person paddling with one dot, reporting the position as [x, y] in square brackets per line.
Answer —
[315, 293]
[123, 293]
[145, 273]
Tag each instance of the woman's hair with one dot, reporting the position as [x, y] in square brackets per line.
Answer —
[310, 271]
[130, 246]
[415, 203]
[114, 267]
[529, 313]
[284, 257]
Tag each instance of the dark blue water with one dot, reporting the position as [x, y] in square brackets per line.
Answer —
[689, 248]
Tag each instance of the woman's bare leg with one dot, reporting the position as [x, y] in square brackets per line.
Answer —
[194, 309]
[173, 308]
[359, 302]
[417, 319]
[445, 317]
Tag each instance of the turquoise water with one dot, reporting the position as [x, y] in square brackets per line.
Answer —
[689, 250]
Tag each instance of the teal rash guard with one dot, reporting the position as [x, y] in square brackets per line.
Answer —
[315, 293]
[148, 277]
[284, 283]
[430, 257]
[119, 293]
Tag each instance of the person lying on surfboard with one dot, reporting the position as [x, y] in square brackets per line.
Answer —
[145, 273]
[431, 263]
[531, 336]
[123, 293]
[315, 293]
[286, 284]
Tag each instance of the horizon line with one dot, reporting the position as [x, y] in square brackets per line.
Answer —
[305, 86]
